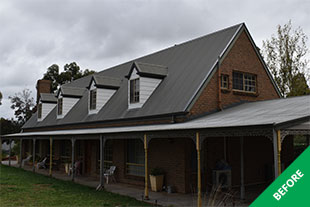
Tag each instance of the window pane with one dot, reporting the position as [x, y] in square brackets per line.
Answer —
[135, 158]
[40, 111]
[59, 106]
[237, 81]
[134, 91]
[93, 98]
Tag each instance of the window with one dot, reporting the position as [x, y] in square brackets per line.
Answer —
[135, 158]
[134, 91]
[65, 151]
[224, 81]
[59, 109]
[40, 111]
[108, 154]
[92, 99]
[244, 82]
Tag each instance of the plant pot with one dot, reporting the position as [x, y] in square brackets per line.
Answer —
[157, 182]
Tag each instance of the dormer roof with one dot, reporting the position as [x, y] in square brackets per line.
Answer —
[71, 91]
[149, 70]
[48, 98]
[105, 82]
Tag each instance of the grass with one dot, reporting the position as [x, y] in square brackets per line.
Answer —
[23, 188]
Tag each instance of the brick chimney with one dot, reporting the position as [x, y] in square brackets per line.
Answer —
[43, 86]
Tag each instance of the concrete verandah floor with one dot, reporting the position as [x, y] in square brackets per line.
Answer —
[161, 198]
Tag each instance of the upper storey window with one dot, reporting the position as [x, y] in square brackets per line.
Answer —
[59, 106]
[101, 89]
[40, 111]
[143, 79]
[93, 99]
[224, 81]
[47, 103]
[135, 90]
[244, 82]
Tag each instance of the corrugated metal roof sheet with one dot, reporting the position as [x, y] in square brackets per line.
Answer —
[48, 97]
[145, 69]
[105, 81]
[271, 112]
[72, 91]
[188, 64]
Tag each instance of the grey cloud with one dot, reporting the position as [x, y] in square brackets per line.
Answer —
[98, 34]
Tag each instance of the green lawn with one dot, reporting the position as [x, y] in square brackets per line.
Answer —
[22, 188]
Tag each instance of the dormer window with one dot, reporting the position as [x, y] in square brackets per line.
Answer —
[46, 104]
[59, 106]
[40, 111]
[143, 79]
[134, 90]
[101, 89]
[92, 99]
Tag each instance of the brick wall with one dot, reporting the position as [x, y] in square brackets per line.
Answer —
[241, 57]
[43, 86]
[171, 158]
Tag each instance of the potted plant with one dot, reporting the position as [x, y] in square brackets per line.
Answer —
[157, 179]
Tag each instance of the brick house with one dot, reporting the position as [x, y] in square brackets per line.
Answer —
[182, 109]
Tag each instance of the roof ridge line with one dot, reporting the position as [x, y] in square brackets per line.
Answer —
[170, 47]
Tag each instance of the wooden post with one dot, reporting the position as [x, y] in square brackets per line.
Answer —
[0, 151]
[51, 156]
[34, 155]
[72, 159]
[199, 201]
[146, 189]
[225, 149]
[20, 153]
[10, 151]
[242, 190]
[275, 155]
[102, 143]
[279, 151]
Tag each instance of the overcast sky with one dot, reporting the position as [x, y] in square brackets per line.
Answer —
[35, 34]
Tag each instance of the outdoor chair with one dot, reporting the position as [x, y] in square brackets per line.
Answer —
[110, 173]
[77, 168]
[26, 160]
[42, 164]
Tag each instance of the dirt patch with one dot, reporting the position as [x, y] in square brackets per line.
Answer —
[40, 187]
[8, 186]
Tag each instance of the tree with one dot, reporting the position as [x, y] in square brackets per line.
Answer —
[23, 104]
[71, 72]
[286, 56]
[9, 126]
[52, 74]
[0, 97]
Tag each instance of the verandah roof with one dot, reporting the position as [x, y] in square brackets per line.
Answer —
[271, 112]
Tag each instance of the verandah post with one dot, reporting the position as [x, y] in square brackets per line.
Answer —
[34, 154]
[279, 151]
[0, 151]
[275, 154]
[72, 158]
[20, 153]
[51, 156]
[146, 190]
[10, 151]
[102, 143]
[198, 147]
[242, 190]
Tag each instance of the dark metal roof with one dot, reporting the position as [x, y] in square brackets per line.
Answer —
[149, 70]
[106, 82]
[271, 113]
[71, 91]
[48, 98]
[188, 63]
